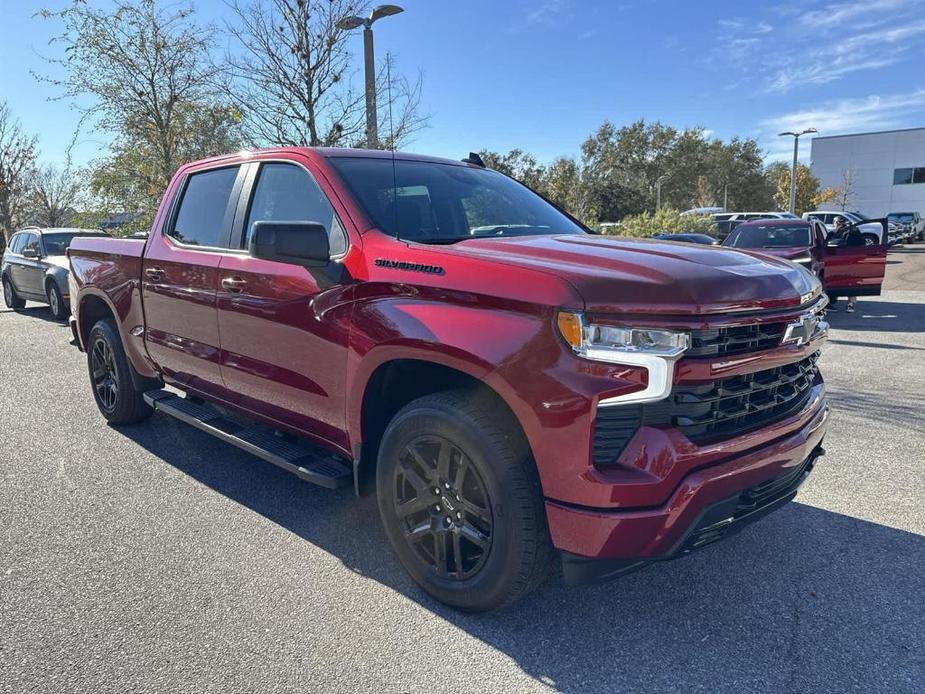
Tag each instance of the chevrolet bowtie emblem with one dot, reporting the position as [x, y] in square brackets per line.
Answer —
[800, 332]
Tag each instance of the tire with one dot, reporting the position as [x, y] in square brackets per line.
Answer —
[56, 302]
[491, 517]
[111, 377]
[871, 240]
[10, 297]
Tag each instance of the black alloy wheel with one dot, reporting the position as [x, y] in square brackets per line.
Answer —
[103, 375]
[443, 506]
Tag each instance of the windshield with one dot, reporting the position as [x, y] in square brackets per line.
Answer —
[57, 244]
[902, 217]
[429, 202]
[770, 236]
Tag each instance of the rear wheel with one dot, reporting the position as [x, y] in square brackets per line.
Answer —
[461, 502]
[111, 378]
[56, 301]
[10, 297]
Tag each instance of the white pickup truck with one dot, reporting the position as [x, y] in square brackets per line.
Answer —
[873, 232]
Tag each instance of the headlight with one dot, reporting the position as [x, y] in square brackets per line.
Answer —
[654, 349]
[805, 260]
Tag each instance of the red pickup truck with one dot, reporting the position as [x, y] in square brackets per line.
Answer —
[516, 390]
[844, 269]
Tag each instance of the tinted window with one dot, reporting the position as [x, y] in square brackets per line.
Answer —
[31, 241]
[902, 176]
[288, 193]
[16, 243]
[770, 236]
[435, 202]
[918, 175]
[57, 244]
[200, 220]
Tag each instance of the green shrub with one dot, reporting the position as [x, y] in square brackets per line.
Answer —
[664, 221]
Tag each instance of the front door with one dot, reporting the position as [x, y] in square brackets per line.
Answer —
[284, 327]
[179, 279]
[854, 270]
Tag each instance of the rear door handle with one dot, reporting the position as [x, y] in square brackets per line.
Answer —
[154, 273]
[234, 284]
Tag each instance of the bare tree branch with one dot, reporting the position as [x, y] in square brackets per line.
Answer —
[17, 163]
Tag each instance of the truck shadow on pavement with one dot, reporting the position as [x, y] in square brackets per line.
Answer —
[805, 600]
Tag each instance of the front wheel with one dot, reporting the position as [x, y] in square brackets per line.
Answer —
[870, 240]
[10, 297]
[56, 302]
[461, 502]
[110, 376]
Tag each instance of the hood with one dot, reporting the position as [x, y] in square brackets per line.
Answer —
[655, 277]
[789, 252]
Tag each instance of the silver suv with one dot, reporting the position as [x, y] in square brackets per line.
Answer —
[35, 268]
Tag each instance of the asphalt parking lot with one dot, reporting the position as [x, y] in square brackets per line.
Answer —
[154, 558]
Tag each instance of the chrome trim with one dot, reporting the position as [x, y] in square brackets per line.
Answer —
[661, 375]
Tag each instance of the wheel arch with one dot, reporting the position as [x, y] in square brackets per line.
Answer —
[397, 381]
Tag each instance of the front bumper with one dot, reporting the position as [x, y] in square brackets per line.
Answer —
[598, 544]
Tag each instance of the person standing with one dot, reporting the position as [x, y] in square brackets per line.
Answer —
[849, 235]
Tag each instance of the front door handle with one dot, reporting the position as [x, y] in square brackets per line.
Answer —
[234, 284]
[154, 273]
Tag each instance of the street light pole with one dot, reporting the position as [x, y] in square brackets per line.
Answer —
[658, 191]
[369, 60]
[372, 125]
[793, 170]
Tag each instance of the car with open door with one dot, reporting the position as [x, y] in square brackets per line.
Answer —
[35, 268]
[856, 270]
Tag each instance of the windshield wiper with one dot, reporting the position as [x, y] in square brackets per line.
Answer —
[441, 240]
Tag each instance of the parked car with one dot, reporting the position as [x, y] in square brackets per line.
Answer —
[515, 394]
[688, 237]
[873, 231]
[855, 270]
[727, 221]
[912, 223]
[34, 267]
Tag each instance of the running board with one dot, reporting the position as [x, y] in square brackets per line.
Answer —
[311, 463]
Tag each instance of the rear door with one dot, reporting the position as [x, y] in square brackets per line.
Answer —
[31, 270]
[284, 327]
[854, 270]
[180, 276]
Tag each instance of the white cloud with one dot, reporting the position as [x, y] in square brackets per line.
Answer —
[875, 112]
[839, 13]
[545, 12]
[821, 45]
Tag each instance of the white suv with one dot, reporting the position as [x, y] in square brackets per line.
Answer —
[872, 231]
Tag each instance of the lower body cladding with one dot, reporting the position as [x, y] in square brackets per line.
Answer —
[709, 504]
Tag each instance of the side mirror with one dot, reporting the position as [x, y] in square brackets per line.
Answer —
[29, 253]
[296, 243]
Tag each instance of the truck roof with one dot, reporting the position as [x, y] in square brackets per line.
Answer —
[329, 153]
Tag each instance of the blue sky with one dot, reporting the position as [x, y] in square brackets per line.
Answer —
[543, 74]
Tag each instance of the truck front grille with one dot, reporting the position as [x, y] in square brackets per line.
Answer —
[718, 342]
[710, 412]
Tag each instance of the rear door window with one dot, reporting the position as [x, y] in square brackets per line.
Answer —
[288, 193]
[16, 243]
[203, 216]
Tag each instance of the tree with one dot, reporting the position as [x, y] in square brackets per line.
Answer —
[807, 186]
[17, 162]
[566, 183]
[663, 221]
[143, 73]
[845, 194]
[55, 194]
[518, 165]
[289, 76]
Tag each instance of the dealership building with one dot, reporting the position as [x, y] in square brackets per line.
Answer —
[887, 169]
